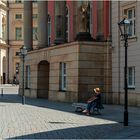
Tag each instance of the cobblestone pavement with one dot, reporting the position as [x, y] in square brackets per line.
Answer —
[43, 119]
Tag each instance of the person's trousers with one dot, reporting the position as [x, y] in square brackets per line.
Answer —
[90, 105]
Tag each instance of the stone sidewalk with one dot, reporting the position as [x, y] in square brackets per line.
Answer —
[43, 119]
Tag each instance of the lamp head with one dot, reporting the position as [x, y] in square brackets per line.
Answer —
[23, 50]
[124, 26]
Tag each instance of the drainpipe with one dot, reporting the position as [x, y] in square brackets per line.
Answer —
[119, 92]
[8, 41]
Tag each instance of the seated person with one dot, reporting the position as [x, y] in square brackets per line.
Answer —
[93, 101]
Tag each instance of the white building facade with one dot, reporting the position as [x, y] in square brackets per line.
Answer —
[3, 43]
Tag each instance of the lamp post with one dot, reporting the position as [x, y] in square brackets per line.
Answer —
[23, 53]
[124, 27]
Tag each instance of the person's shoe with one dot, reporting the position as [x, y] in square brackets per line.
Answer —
[84, 111]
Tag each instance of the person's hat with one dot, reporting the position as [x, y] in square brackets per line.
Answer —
[97, 89]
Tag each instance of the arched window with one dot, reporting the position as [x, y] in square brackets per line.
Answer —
[49, 30]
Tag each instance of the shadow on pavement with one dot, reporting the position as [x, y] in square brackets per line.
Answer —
[110, 112]
[82, 132]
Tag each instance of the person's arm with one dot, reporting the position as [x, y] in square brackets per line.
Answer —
[92, 99]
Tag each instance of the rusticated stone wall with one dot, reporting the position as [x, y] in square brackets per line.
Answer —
[86, 66]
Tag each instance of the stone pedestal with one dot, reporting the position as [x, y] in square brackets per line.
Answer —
[84, 36]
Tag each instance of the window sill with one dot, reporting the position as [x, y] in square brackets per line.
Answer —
[132, 39]
[131, 87]
[27, 88]
[62, 90]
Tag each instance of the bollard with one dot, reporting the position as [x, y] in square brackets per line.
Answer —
[1, 91]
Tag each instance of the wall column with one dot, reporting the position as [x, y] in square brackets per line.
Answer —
[28, 25]
[94, 17]
[106, 19]
[42, 24]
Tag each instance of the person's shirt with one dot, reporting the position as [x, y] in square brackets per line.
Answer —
[98, 97]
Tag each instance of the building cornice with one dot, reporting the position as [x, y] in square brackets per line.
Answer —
[4, 46]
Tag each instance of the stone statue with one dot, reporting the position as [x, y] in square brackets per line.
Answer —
[83, 18]
[83, 23]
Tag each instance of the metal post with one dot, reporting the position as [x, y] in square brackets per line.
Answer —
[126, 85]
[23, 96]
[1, 91]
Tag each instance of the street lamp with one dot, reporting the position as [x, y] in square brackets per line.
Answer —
[23, 53]
[124, 27]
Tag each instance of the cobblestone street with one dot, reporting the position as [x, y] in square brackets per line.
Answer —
[40, 119]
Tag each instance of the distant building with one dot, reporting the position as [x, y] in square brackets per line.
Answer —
[4, 47]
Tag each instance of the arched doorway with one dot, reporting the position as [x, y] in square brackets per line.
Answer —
[4, 70]
[43, 80]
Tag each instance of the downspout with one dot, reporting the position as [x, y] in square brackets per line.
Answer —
[8, 41]
[119, 92]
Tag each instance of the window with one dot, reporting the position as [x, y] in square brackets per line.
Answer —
[131, 77]
[67, 24]
[49, 30]
[34, 33]
[59, 18]
[131, 17]
[18, 1]
[63, 76]
[3, 27]
[34, 16]
[18, 16]
[28, 76]
[18, 33]
[34, 1]
[17, 68]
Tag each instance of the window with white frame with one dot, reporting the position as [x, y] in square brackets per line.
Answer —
[131, 77]
[63, 76]
[34, 33]
[34, 16]
[18, 33]
[17, 67]
[18, 16]
[132, 18]
[27, 76]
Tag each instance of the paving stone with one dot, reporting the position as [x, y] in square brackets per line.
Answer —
[43, 119]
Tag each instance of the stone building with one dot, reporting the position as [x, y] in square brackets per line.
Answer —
[16, 34]
[4, 47]
[60, 68]
[132, 10]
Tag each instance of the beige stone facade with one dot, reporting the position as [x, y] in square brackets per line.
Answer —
[87, 67]
[4, 47]
[16, 20]
[119, 8]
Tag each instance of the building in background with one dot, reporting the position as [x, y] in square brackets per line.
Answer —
[4, 47]
[16, 34]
